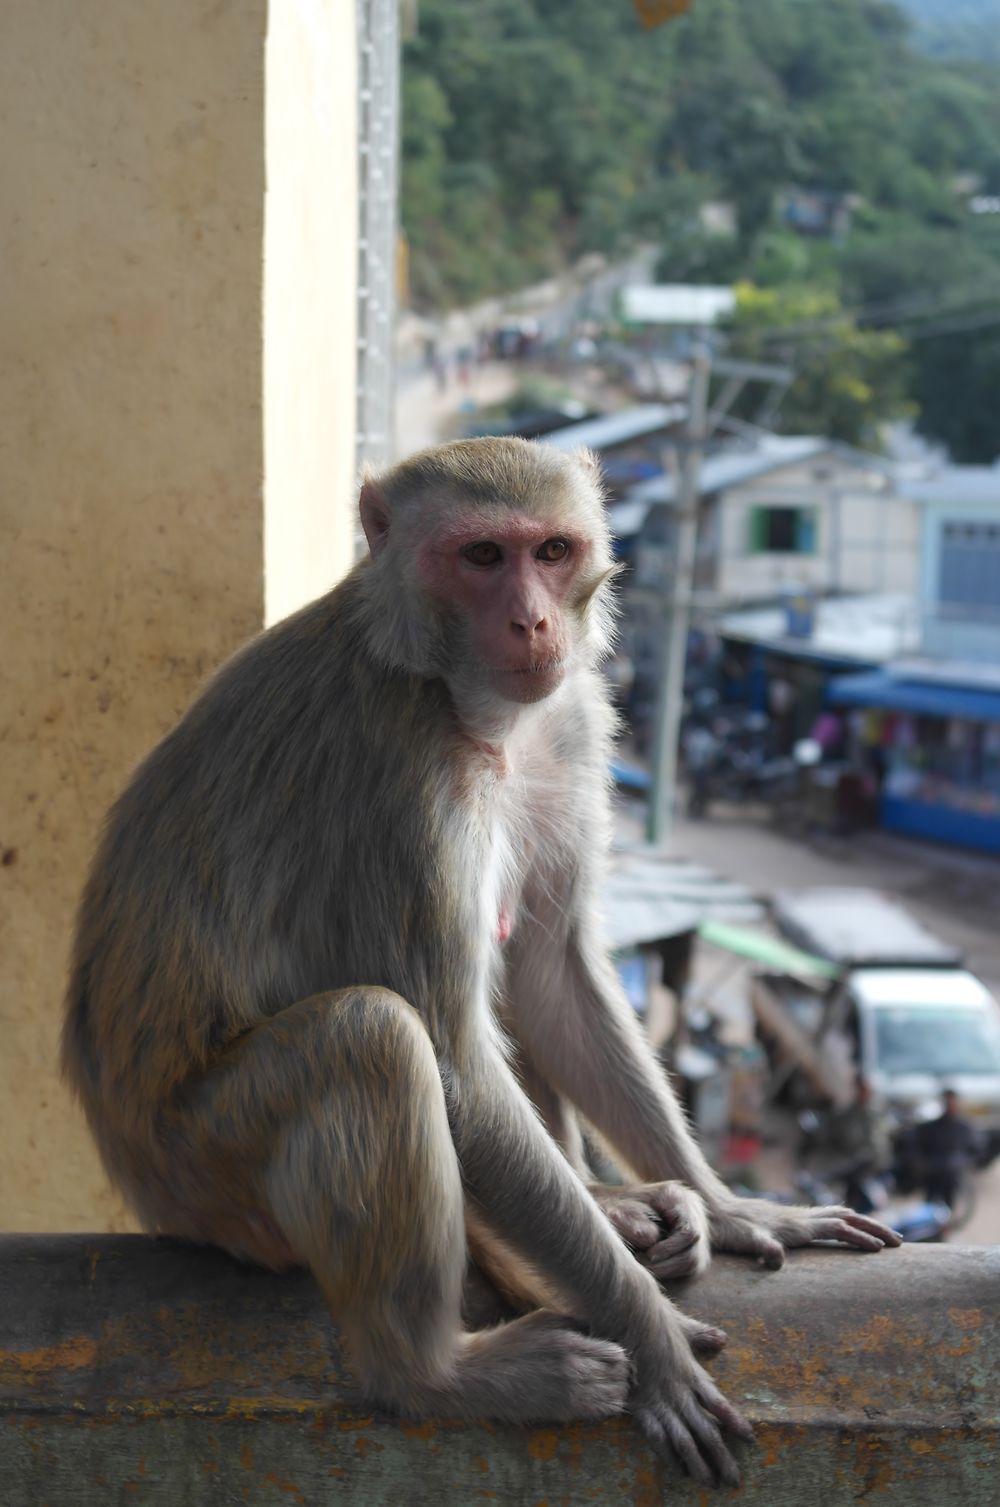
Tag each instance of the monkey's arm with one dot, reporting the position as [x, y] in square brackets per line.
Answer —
[579, 1028]
[527, 1191]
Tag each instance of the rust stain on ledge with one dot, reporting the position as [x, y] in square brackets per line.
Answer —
[69, 1355]
[543, 1444]
[424, 1430]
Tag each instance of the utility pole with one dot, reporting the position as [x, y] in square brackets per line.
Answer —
[670, 691]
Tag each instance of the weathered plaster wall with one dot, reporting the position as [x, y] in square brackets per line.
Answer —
[132, 524]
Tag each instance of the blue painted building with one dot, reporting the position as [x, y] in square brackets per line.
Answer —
[932, 722]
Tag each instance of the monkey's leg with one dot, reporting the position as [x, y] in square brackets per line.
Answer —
[360, 1174]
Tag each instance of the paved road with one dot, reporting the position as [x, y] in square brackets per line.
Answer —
[956, 895]
[426, 414]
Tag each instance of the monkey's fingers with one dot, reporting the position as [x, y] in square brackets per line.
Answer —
[672, 1201]
[634, 1222]
[704, 1339]
[679, 1255]
[721, 1408]
[746, 1239]
[688, 1431]
[883, 1232]
[669, 1436]
[833, 1226]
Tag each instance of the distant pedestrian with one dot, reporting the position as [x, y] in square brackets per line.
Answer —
[945, 1149]
[701, 749]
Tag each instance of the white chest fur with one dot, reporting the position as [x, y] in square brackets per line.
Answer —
[527, 820]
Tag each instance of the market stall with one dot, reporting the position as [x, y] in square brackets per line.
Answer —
[932, 738]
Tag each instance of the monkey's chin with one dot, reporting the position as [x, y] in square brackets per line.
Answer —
[527, 686]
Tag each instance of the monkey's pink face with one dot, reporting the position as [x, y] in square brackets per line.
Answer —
[513, 584]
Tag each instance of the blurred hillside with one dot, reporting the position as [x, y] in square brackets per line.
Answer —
[813, 150]
[957, 28]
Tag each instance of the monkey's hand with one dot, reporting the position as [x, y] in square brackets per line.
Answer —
[754, 1227]
[665, 1224]
[680, 1409]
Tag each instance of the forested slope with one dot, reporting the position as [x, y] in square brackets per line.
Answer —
[536, 130]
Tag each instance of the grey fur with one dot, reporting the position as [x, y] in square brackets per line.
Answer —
[281, 1015]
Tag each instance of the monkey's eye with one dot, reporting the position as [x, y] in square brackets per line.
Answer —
[484, 553]
[553, 550]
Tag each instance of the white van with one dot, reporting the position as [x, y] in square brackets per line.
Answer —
[916, 1021]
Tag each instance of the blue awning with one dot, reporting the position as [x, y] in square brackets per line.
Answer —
[925, 698]
[630, 776]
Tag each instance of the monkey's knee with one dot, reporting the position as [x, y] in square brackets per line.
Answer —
[382, 1047]
[364, 1176]
[377, 1012]
[295, 1145]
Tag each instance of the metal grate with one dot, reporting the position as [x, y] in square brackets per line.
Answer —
[378, 171]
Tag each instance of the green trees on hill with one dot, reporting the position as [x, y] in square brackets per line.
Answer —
[536, 130]
[847, 380]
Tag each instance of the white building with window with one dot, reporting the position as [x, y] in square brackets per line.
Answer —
[789, 512]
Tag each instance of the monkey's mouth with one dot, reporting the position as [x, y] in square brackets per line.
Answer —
[530, 682]
[543, 667]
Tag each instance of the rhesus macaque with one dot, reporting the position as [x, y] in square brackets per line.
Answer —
[343, 923]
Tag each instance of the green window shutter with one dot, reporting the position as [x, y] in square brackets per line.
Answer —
[805, 531]
[758, 531]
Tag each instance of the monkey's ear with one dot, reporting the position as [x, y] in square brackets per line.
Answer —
[587, 460]
[374, 515]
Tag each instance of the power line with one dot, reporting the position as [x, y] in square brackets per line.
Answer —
[919, 307]
[942, 327]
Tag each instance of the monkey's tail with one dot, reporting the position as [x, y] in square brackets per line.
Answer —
[518, 1282]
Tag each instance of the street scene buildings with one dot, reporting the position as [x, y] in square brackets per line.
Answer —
[842, 618]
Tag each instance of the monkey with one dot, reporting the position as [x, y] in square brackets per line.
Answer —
[339, 996]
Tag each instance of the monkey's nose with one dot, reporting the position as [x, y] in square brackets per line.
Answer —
[527, 626]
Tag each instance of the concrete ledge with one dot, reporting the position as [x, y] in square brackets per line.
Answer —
[141, 1371]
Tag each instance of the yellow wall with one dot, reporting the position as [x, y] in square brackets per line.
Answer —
[311, 254]
[131, 455]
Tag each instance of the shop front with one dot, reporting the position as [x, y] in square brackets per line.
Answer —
[933, 744]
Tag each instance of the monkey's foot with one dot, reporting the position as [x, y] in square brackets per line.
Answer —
[562, 1375]
[664, 1223]
[754, 1227]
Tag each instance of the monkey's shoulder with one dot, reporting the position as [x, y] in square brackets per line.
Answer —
[304, 692]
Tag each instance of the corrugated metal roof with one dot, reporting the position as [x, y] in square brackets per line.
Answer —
[730, 468]
[617, 428]
[647, 896]
[860, 927]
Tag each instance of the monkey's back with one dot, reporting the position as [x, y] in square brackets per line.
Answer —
[239, 869]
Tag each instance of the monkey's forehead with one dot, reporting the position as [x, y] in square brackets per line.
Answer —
[506, 473]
